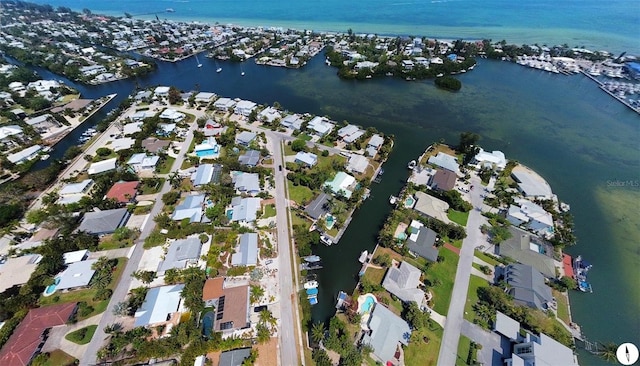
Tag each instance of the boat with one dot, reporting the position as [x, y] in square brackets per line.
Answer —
[342, 298]
[311, 259]
[312, 295]
[381, 171]
[393, 200]
[412, 164]
[580, 269]
[325, 240]
[363, 256]
[310, 284]
[313, 300]
[198, 61]
[44, 157]
[170, 10]
[218, 68]
[241, 70]
[310, 266]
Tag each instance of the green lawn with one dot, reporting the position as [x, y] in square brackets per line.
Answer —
[486, 258]
[166, 165]
[300, 194]
[445, 273]
[269, 211]
[148, 187]
[563, 306]
[82, 335]
[375, 275]
[475, 283]
[424, 346]
[55, 358]
[458, 217]
[86, 295]
[463, 351]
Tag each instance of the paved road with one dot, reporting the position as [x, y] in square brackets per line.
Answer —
[121, 290]
[453, 325]
[288, 287]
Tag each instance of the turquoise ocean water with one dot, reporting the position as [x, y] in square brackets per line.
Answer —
[612, 25]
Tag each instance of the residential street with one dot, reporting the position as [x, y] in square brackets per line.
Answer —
[453, 325]
[121, 290]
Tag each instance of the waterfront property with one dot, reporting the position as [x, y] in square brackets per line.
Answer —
[443, 179]
[530, 183]
[431, 207]
[342, 184]
[403, 281]
[386, 333]
[445, 161]
[421, 241]
[527, 248]
[318, 207]
[527, 286]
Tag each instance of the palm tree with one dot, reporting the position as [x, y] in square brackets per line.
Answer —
[174, 179]
[317, 332]
[608, 352]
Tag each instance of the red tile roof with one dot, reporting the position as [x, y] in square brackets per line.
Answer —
[26, 339]
[566, 263]
[213, 288]
[123, 192]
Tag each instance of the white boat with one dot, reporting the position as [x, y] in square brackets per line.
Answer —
[218, 68]
[241, 70]
[310, 284]
[198, 61]
[44, 157]
[412, 164]
[393, 200]
[363, 256]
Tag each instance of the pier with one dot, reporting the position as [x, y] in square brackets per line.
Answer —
[601, 86]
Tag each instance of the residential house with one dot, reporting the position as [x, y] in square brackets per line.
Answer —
[365, 65]
[154, 145]
[172, 115]
[234, 357]
[104, 222]
[375, 141]
[245, 107]
[320, 126]
[248, 183]
[161, 91]
[119, 144]
[527, 286]
[209, 149]
[140, 116]
[42, 122]
[386, 332]
[445, 161]
[205, 174]
[249, 158]
[246, 252]
[269, 115]
[318, 207]
[244, 210]
[8, 131]
[30, 335]
[342, 184]
[357, 163]
[181, 254]
[102, 166]
[528, 249]
[231, 303]
[422, 241]
[224, 104]
[16, 271]
[443, 180]
[76, 275]
[159, 306]
[75, 256]
[204, 97]
[131, 128]
[492, 160]
[92, 70]
[123, 192]
[530, 183]
[24, 155]
[245, 138]
[142, 161]
[347, 131]
[431, 207]
[73, 192]
[213, 128]
[530, 215]
[407, 64]
[403, 282]
[191, 208]
[306, 159]
[166, 129]
[292, 121]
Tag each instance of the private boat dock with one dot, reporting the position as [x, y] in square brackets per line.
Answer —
[618, 98]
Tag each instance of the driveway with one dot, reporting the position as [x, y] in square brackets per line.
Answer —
[493, 345]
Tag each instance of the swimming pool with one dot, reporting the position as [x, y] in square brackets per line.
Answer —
[409, 202]
[207, 324]
[229, 214]
[329, 221]
[365, 303]
[52, 288]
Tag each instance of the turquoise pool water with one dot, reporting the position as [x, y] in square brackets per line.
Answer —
[367, 305]
[52, 288]
[329, 221]
[409, 202]
[207, 324]
[229, 214]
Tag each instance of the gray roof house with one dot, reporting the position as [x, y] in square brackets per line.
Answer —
[104, 222]
[445, 161]
[403, 281]
[191, 208]
[386, 331]
[421, 242]
[181, 253]
[527, 286]
[159, 305]
[249, 158]
[206, 173]
[247, 251]
[246, 182]
[527, 248]
[245, 138]
[235, 357]
[244, 209]
[318, 206]
[76, 275]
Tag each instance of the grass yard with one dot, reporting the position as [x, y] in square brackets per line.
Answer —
[150, 186]
[458, 217]
[486, 258]
[463, 351]
[375, 275]
[55, 358]
[445, 273]
[325, 162]
[108, 243]
[475, 283]
[424, 346]
[82, 335]
[269, 211]
[300, 194]
[563, 306]
[87, 294]
[437, 148]
[165, 167]
[456, 243]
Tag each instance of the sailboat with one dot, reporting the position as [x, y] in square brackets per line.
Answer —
[199, 64]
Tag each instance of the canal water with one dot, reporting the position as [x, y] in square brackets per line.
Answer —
[581, 140]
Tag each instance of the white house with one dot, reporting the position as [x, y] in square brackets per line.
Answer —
[24, 155]
[161, 91]
[141, 162]
[102, 166]
[172, 115]
[224, 104]
[245, 107]
[11, 130]
[269, 114]
[494, 159]
[306, 159]
[320, 125]
[74, 192]
[526, 213]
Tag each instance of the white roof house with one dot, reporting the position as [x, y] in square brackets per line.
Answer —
[122, 144]
[347, 130]
[131, 128]
[244, 107]
[142, 161]
[74, 192]
[445, 161]
[245, 137]
[306, 158]
[17, 271]
[244, 209]
[159, 305]
[77, 274]
[172, 115]
[357, 163]
[246, 251]
[376, 141]
[161, 91]
[24, 155]
[293, 121]
[269, 114]
[491, 159]
[12, 130]
[75, 256]
[102, 166]
[224, 104]
[320, 125]
[204, 97]
[530, 183]
[525, 212]
[246, 182]
[403, 282]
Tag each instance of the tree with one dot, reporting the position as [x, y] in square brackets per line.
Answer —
[608, 352]
[170, 197]
[317, 332]
[174, 180]
[321, 358]
[145, 276]
[256, 293]
[416, 317]
[298, 145]
[174, 95]
[467, 146]
[448, 83]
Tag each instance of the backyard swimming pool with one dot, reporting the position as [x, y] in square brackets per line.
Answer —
[52, 288]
